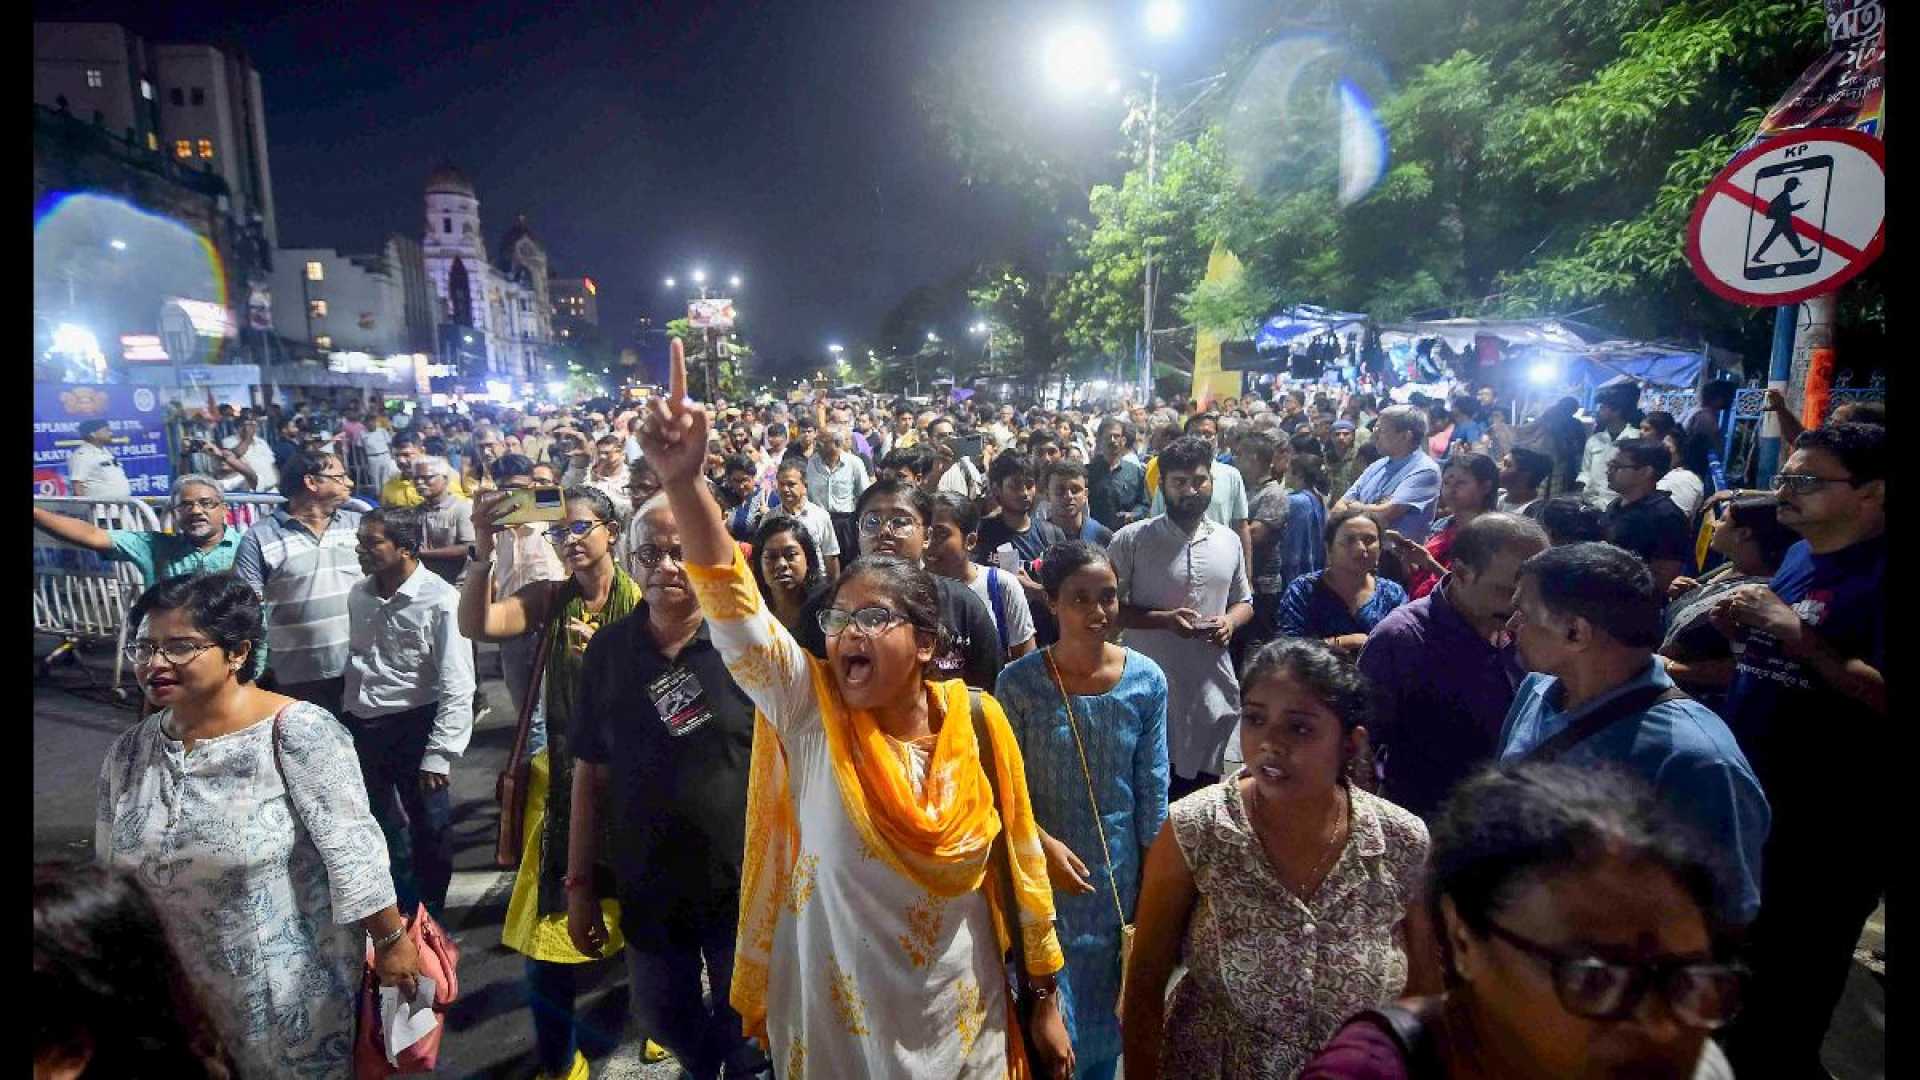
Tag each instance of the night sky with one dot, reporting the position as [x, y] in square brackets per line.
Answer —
[776, 140]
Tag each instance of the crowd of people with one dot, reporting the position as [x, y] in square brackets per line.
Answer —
[1321, 736]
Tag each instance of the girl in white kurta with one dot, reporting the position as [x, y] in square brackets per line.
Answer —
[871, 931]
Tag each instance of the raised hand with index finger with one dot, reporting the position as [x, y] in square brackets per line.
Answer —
[673, 433]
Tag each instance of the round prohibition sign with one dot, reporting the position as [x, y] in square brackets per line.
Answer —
[1794, 217]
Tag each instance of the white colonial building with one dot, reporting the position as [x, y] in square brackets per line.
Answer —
[497, 319]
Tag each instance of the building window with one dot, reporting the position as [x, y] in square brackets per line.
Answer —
[316, 272]
[446, 226]
[96, 78]
[199, 96]
[183, 148]
[206, 148]
[323, 341]
[177, 96]
[146, 89]
[317, 309]
[153, 141]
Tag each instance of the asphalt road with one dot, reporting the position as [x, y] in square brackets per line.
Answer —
[489, 1034]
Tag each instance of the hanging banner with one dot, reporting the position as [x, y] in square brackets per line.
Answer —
[715, 314]
[1846, 88]
[139, 426]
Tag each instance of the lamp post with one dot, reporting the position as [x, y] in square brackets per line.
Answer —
[699, 279]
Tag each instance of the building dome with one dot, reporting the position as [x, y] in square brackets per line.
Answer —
[450, 181]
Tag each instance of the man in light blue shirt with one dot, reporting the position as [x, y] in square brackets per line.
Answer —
[1398, 491]
[1586, 620]
[202, 541]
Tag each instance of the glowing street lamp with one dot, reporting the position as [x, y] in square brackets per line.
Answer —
[1163, 18]
[671, 283]
[1075, 58]
[699, 277]
[734, 281]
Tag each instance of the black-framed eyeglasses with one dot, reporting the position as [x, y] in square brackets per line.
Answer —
[1700, 993]
[1805, 483]
[871, 621]
[209, 505]
[177, 651]
[572, 530]
[894, 524]
[652, 555]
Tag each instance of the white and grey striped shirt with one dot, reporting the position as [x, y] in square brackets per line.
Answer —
[304, 581]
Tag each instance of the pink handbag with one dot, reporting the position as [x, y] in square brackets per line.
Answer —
[439, 961]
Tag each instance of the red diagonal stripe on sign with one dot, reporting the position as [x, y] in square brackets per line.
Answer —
[1724, 186]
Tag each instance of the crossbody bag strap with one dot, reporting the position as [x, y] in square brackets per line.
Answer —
[996, 593]
[1086, 773]
[1605, 716]
[523, 728]
[1000, 859]
[1410, 1032]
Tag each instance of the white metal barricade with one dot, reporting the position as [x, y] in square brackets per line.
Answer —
[77, 595]
[244, 508]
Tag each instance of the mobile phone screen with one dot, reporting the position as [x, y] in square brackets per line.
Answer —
[1786, 191]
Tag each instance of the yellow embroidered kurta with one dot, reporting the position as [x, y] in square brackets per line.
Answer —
[866, 972]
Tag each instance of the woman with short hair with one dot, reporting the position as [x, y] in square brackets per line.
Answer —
[243, 815]
[1577, 933]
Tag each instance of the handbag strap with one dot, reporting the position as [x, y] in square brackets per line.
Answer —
[523, 728]
[1093, 802]
[1628, 704]
[1001, 857]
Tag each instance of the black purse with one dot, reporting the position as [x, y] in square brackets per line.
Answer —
[1020, 999]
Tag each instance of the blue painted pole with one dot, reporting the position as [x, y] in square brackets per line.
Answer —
[1778, 371]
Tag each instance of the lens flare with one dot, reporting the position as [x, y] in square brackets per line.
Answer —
[1303, 120]
[102, 263]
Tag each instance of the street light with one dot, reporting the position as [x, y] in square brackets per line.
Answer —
[671, 283]
[1163, 18]
[1074, 57]
[835, 349]
[931, 336]
[699, 277]
[117, 245]
[734, 281]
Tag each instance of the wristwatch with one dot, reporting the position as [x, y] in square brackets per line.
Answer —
[473, 552]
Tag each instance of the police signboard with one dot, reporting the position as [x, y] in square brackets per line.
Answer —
[1793, 217]
[136, 416]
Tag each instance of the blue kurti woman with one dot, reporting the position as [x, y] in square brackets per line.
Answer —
[1109, 749]
[1343, 603]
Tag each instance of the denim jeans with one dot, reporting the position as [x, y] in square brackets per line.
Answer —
[418, 824]
[663, 977]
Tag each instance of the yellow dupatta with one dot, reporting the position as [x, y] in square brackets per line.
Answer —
[940, 840]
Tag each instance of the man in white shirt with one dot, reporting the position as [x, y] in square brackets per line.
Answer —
[249, 447]
[963, 477]
[92, 471]
[1616, 418]
[835, 478]
[408, 700]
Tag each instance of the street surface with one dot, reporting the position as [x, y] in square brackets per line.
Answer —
[489, 1034]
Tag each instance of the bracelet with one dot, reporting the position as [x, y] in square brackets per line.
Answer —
[381, 944]
[1042, 993]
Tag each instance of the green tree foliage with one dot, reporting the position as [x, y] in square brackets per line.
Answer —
[1545, 155]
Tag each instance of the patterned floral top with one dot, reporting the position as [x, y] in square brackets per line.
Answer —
[260, 872]
[1270, 978]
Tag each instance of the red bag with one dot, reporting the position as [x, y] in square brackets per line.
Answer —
[439, 961]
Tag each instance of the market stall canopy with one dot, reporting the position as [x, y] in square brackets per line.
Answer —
[1461, 334]
[1304, 321]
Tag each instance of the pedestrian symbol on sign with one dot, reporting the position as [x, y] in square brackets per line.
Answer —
[1788, 197]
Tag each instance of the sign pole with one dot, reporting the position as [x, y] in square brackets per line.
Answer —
[1778, 371]
[1813, 357]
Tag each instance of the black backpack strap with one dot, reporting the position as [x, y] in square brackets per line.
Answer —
[1629, 704]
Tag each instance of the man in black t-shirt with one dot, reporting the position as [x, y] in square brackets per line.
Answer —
[1644, 519]
[892, 518]
[663, 739]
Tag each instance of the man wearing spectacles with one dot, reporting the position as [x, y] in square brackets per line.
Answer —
[1809, 699]
[1586, 620]
[302, 563]
[1644, 519]
[663, 739]
[201, 540]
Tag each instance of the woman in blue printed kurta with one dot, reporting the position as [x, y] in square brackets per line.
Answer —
[1120, 714]
[1343, 603]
